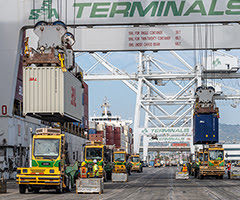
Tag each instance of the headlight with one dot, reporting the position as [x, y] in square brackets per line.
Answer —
[51, 171]
[24, 171]
[19, 171]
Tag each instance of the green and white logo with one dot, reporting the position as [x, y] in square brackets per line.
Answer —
[217, 62]
[45, 12]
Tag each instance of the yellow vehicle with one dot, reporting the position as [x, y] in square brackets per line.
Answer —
[103, 154]
[121, 164]
[48, 169]
[136, 163]
[213, 162]
[157, 162]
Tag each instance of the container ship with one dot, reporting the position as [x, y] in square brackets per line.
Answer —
[111, 130]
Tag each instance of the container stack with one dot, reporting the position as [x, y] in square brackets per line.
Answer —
[110, 134]
[117, 136]
[112, 130]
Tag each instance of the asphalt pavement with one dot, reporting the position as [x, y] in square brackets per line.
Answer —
[152, 184]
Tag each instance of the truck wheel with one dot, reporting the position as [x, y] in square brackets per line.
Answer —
[201, 177]
[105, 177]
[221, 177]
[59, 189]
[109, 175]
[22, 189]
[36, 190]
[69, 187]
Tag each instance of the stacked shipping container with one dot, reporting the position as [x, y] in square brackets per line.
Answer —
[85, 103]
[112, 134]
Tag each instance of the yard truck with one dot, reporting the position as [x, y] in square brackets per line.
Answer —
[136, 163]
[213, 162]
[122, 166]
[103, 154]
[157, 162]
[48, 164]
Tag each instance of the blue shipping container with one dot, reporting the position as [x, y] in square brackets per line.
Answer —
[92, 131]
[205, 129]
[151, 163]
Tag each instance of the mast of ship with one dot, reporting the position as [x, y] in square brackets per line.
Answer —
[105, 106]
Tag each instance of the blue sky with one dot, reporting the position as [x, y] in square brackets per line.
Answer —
[122, 99]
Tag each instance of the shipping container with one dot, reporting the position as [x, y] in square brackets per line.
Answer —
[92, 131]
[205, 128]
[100, 133]
[19, 90]
[100, 126]
[51, 94]
[92, 125]
[95, 137]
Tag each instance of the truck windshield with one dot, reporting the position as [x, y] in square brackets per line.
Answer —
[46, 148]
[216, 154]
[119, 157]
[135, 159]
[94, 153]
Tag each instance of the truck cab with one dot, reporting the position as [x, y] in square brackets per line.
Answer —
[213, 163]
[121, 164]
[103, 154]
[157, 162]
[136, 163]
[47, 166]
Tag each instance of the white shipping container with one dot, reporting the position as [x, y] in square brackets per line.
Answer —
[92, 125]
[51, 94]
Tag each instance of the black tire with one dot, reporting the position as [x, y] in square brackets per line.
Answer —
[36, 190]
[201, 177]
[69, 186]
[22, 189]
[105, 177]
[195, 174]
[109, 175]
[59, 189]
[221, 177]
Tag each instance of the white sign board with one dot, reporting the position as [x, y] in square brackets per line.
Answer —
[165, 132]
[157, 38]
[102, 12]
[217, 62]
[171, 139]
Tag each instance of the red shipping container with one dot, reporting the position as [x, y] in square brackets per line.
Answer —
[85, 86]
[19, 90]
[117, 136]
[100, 133]
[179, 144]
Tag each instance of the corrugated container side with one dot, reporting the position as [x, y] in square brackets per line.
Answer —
[100, 132]
[92, 131]
[205, 129]
[19, 90]
[92, 125]
[72, 97]
[47, 91]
